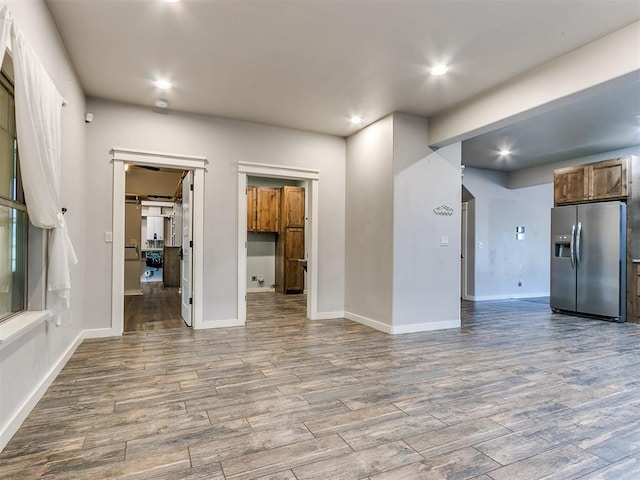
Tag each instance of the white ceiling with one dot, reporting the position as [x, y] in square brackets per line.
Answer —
[312, 64]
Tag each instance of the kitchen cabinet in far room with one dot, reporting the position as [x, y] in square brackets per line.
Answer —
[263, 209]
[605, 180]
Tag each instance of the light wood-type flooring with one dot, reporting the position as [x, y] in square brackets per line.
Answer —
[517, 393]
[158, 308]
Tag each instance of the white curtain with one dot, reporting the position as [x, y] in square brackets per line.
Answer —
[5, 27]
[38, 111]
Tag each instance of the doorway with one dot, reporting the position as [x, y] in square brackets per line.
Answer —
[277, 218]
[195, 168]
[153, 241]
[308, 178]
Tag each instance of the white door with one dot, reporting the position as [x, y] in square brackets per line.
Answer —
[463, 251]
[187, 248]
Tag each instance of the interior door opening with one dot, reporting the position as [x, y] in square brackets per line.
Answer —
[153, 245]
[292, 258]
[276, 253]
[161, 247]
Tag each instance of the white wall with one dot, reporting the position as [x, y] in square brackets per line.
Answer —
[225, 143]
[369, 232]
[261, 260]
[399, 278]
[425, 274]
[30, 363]
[501, 261]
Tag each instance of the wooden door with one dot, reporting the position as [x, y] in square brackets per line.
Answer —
[293, 206]
[251, 208]
[268, 209]
[571, 185]
[294, 250]
[608, 179]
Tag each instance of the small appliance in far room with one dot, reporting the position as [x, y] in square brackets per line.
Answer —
[588, 259]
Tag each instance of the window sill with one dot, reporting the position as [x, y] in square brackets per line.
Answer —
[20, 324]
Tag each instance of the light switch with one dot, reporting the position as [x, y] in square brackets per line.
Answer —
[108, 237]
[444, 241]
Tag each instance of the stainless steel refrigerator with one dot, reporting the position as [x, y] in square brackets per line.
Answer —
[588, 259]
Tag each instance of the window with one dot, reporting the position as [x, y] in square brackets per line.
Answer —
[13, 211]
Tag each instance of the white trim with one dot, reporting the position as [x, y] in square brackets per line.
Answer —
[160, 159]
[260, 289]
[425, 327]
[18, 325]
[120, 156]
[230, 322]
[101, 332]
[133, 293]
[399, 329]
[383, 327]
[508, 296]
[276, 171]
[242, 247]
[9, 429]
[329, 315]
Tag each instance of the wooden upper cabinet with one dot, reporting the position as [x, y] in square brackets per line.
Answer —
[263, 209]
[268, 208]
[292, 206]
[571, 185]
[606, 180]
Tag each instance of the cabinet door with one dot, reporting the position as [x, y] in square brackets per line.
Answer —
[251, 208]
[608, 180]
[293, 206]
[571, 185]
[294, 250]
[268, 209]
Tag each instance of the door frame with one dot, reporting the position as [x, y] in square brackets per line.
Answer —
[312, 177]
[121, 157]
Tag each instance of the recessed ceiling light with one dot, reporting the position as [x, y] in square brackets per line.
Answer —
[504, 153]
[162, 84]
[356, 120]
[172, 1]
[439, 69]
[161, 103]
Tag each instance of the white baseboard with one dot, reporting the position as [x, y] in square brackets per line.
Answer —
[260, 290]
[329, 315]
[231, 322]
[132, 293]
[101, 332]
[426, 327]
[480, 298]
[12, 426]
[383, 327]
[399, 329]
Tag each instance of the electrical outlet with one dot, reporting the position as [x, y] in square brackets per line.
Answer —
[254, 278]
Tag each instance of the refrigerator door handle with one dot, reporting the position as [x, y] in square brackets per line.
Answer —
[578, 248]
[572, 245]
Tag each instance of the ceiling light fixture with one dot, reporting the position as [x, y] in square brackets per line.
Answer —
[504, 153]
[162, 84]
[161, 103]
[439, 69]
[172, 1]
[356, 120]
